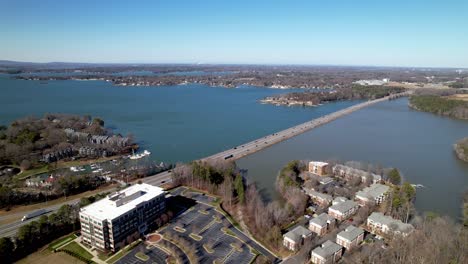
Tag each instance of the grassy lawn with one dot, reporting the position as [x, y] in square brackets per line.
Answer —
[64, 164]
[75, 247]
[142, 256]
[25, 174]
[61, 241]
[123, 252]
[48, 257]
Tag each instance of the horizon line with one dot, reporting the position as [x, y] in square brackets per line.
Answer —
[228, 63]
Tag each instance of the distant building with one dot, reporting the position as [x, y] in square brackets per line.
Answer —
[381, 224]
[319, 168]
[351, 237]
[319, 198]
[329, 252]
[111, 223]
[349, 173]
[295, 238]
[376, 193]
[321, 224]
[343, 210]
[373, 82]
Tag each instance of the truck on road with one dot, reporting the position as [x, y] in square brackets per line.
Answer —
[34, 214]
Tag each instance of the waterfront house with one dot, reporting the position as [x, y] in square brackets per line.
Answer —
[385, 225]
[376, 194]
[349, 173]
[318, 167]
[295, 238]
[342, 210]
[321, 224]
[320, 198]
[328, 252]
[350, 237]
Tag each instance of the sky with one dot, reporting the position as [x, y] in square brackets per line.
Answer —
[314, 32]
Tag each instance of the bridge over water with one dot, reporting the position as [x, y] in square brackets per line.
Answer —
[269, 140]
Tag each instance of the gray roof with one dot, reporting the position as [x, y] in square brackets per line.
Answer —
[320, 195]
[327, 249]
[325, 180]
[321, 220]
[373, 191]
[353, 172]
[297, 233]
[351, 233]
[394, 224]
[343, 206]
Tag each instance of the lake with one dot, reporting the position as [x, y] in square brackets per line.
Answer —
[187, 122]
[176, 123]
[390, 134]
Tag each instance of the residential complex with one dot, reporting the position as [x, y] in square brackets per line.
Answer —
[328, 252]
[293, 239]
[350, 237]
[376, 193]
[111, 223]
[319, 168]
[379, 223]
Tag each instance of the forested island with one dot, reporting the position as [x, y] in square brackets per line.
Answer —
[445, 103]
[313, 98]
[32, 142]
[461, 149]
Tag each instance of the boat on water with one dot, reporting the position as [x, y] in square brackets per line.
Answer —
[77, 169]
[140, 155]
[417, 185]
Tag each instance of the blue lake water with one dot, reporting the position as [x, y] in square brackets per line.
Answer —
[186, 122]
[389, 134]
[176, 123]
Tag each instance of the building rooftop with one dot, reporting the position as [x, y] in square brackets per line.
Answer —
[394, 224]
[321, 220]
[343, 206]
[325, 180]
[117, 204]
[319, 195]
[373, 191]
[298, 232]
[318, 163]
[327, 249]
[351, 233]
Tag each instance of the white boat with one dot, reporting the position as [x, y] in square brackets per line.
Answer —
[140, 155]
[77, 169]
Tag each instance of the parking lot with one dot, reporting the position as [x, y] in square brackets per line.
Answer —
[208, 231]
[139, 254]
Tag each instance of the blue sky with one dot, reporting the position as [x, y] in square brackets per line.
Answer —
[348, 32]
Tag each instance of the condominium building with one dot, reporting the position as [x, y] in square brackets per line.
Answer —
[321, 224]
[376, 194]
[342, 208]
[318, 167]
[294, 239]
[121, 217]
[382, 224]
[327, 253]
[350, 237]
